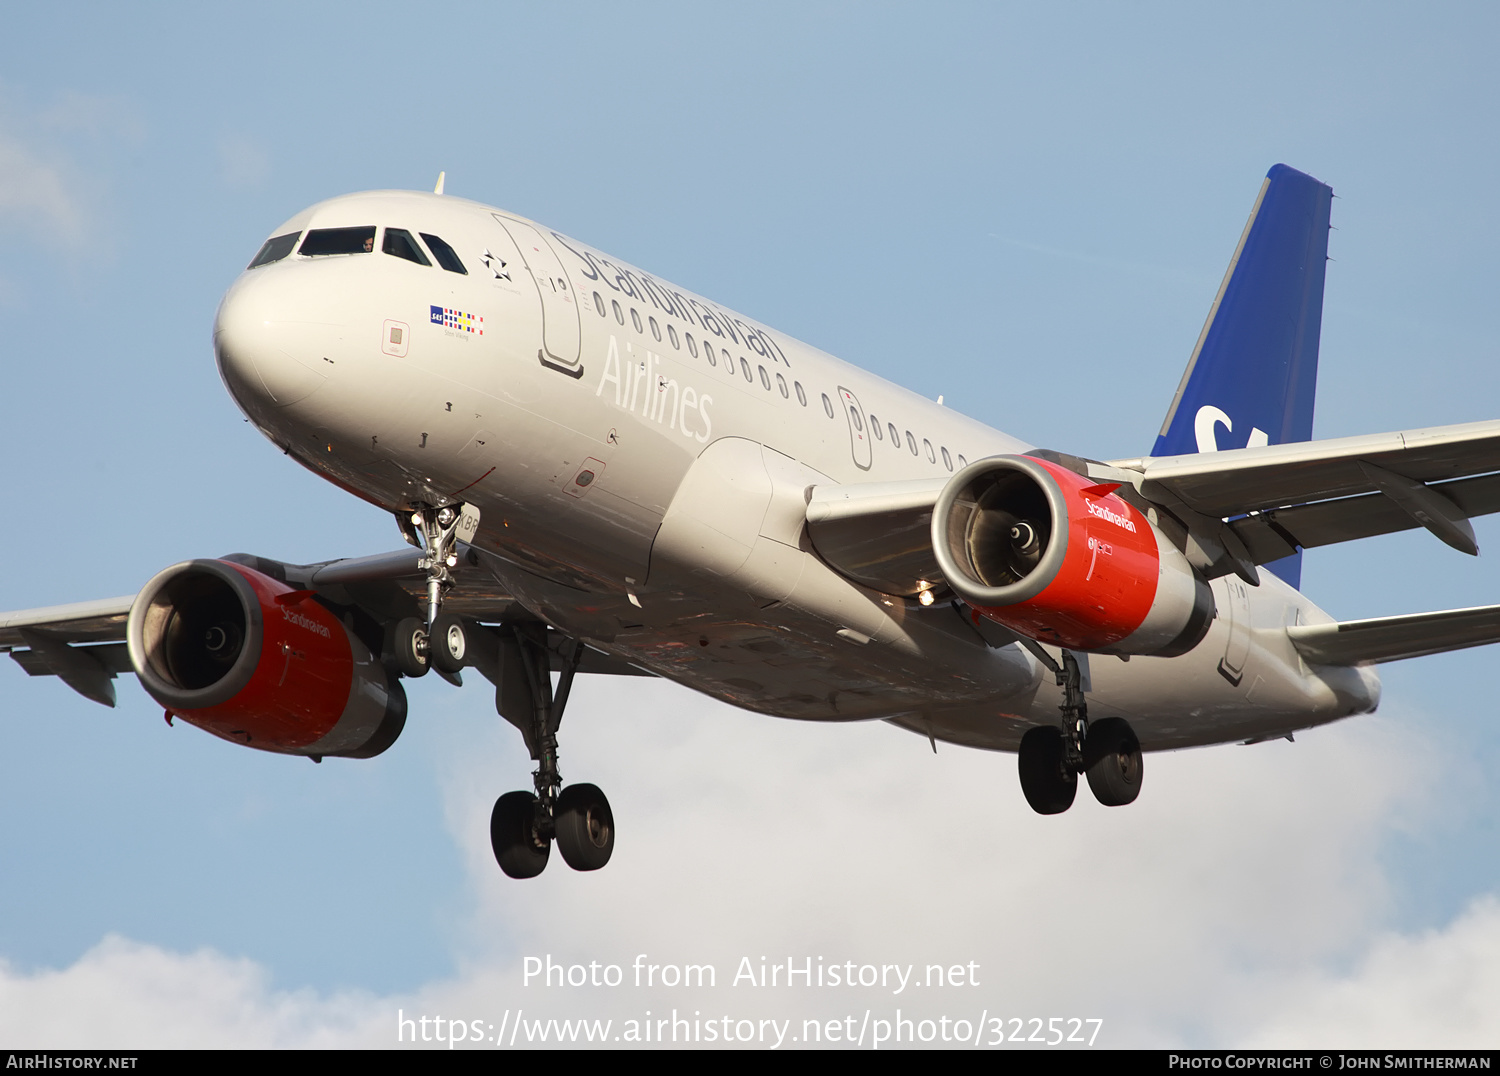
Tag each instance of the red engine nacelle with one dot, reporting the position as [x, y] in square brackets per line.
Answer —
[246, 657]
[1051, 554]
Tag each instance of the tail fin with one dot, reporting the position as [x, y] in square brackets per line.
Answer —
[1254, 372]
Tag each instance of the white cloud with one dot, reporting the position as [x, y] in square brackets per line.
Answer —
[92, 115]
[1437, 989]
[43, 187]
[38, 191]
[130, 996]
[1214, 911]
[243, 162]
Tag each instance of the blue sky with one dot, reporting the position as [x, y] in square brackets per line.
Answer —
[1024, 208]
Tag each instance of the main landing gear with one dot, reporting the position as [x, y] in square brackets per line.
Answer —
[1052, 756]
[524, 825]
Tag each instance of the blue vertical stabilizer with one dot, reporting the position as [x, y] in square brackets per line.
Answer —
[1254, 372]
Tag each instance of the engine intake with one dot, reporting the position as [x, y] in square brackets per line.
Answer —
[249, 659]
[1054, 556]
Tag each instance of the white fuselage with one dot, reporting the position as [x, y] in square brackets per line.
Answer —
[647, 494]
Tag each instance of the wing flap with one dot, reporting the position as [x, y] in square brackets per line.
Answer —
[88, 670]
[877, 533]
[1277, 533]
[1391, 638]
[113, 657]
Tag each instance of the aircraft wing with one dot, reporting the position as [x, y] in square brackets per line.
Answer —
[81, 622]
[83, 644]
[1313, 493]
[48, 635]
[1239, 507]
[1390, 638]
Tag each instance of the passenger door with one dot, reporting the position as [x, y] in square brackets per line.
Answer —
[859, 429]
[560, 331]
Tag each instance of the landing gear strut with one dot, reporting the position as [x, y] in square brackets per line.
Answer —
[435, 640]
[523, 825]
[1075, 711]
[1052, 757]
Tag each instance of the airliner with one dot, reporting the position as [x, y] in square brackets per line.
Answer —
[596, 471]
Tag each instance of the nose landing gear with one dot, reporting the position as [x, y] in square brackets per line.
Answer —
[435, 641]
[1052, 756]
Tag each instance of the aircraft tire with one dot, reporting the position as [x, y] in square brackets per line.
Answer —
[409, 645]
[1047, 782]
[585, 827]
[448, 644]
[513, 836]
[1112, 760]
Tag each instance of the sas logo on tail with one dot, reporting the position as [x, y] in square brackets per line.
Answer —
[1205, 430]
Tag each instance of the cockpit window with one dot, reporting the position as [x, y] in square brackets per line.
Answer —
[398, 241]
[444, 254]
[338, 241]
[275, 249]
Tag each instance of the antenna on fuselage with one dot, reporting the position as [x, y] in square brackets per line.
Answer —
[439, 188]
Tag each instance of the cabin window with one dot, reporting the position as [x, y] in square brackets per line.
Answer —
[672, 335]
[635, 319]
[781, 384]
[931, 455]
[801, 395]
[962, 463]
[655, 329]
[827, 405]
[321, 241]
[444, 254]
[599, 303]
[911, 442]
[947, 459]
[745, 369]
[273, 250]
[708, 352]
[398, 241]
[875, 428]
[859, 427]
[619, 314]
[895, 436]
[693, 348]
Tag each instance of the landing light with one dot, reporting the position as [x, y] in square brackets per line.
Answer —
[925, 597]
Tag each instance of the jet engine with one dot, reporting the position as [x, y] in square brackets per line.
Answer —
[1057, 557]
[248, 658]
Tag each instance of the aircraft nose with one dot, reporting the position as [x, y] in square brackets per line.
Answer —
[264, 342]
